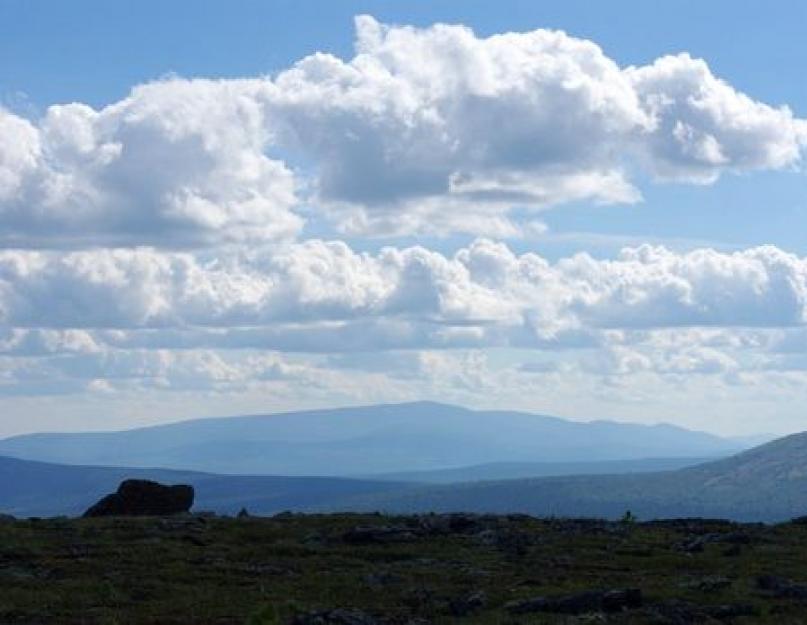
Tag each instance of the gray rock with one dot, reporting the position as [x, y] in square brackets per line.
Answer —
[464, 606]
[144, 498]
[385, 534]
[782, 588]
[679, 612]
[334, 617]
[707, 584]
[615, 600]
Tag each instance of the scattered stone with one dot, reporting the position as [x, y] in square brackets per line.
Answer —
[781, 588]
[635, 552]
[457, 523]
[576, 527]
[144, 498]
[708, 584]
[382, 578]
[692, 525]
[509, 541]
[464, 523]
[464, 606]
[696, 544]
[487, 538]
[78, 551]
[195, 540]
[679, 612]
[334, 617]
[594, 618]
[615, 600]
[313, 538]
[381, 535]
[732, 551]
[270, 569]
[735, 538]
[730, 611]
[513, 542]
[419, 598]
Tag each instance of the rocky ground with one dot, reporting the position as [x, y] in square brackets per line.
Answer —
[368, 569]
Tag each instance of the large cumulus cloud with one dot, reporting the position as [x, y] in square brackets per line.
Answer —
[176, 163]
[323, 296]
[423, 130]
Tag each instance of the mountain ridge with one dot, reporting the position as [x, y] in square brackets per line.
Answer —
[366, 440]
[767, 483]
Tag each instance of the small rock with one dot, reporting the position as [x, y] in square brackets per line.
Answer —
[194, 540]
[381, 578]
[463, 606]
[334, 617]
[730, 611]
[708, 584]
[679, 612]
[781, 588]
[615, 600]
[732, 551]
[386, 534]
[313, 538]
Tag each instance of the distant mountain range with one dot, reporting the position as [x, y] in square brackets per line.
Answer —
[30, 488]
[767, 483]
[415, 457]
[521, 470]
[399, 438]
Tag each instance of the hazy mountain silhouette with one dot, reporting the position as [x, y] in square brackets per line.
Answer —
[520, 470]
[30, 488]
[421, 436]
[766, 483]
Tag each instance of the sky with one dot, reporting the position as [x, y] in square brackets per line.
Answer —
[591, 210]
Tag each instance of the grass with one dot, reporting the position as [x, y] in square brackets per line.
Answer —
[264, 571]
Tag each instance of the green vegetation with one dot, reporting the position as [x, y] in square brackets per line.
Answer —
[415, 569]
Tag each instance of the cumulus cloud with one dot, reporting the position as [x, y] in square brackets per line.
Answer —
[703, 126]
[176, 163]
[111, 369]
[431, 130]
[438, 129]
[324, 296]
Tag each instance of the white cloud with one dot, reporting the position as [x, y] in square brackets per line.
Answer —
[322, 296]
[439, 130]
[175, 163]
[703, 126]
[19, 153]
[117, 370]
[119, 273]
[431, 130]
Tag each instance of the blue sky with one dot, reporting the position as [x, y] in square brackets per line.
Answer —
[375, 229]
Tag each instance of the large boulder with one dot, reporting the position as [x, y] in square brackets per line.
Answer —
[144, 498]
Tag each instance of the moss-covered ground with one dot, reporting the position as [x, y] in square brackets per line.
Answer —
[413, 570]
